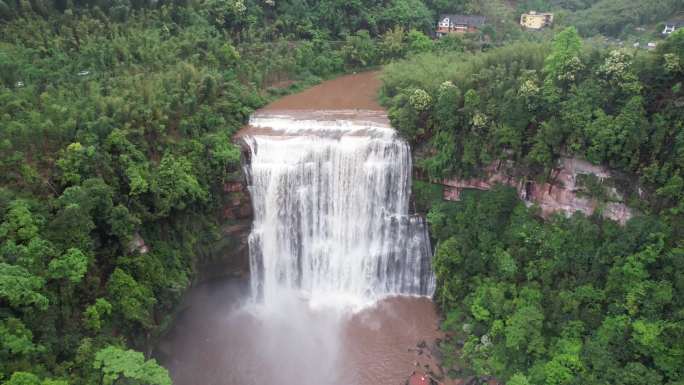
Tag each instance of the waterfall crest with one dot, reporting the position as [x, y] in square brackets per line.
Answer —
[331, 193]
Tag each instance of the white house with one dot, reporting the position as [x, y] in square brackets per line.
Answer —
[672, 26]
[459, 24]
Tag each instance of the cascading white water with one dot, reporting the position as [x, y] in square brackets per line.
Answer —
[331, 215]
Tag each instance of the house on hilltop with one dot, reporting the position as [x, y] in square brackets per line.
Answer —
[534, 20]
[672, 26]
[459, 24]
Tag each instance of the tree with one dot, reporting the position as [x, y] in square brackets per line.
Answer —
[618, 74]
[9, 69]
[20, 224]
[76, 163]
[562, 65]
[71, 226]
[523, 331]
[420, 100]
[16, 345]
[115, 363]
[123, 223]
[448, 101]
[359, 50]
[20, 288]
[25, 378]
[94, 314]
[392, 44]
[132, 300]
[71, 266]
[176, 185]
[410, 14]
[518, 379]
[447, 259]
[505, 263]
[418, 42]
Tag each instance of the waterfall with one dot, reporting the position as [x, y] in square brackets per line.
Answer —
[331, 193]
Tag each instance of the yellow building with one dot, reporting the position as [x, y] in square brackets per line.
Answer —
[534, 20]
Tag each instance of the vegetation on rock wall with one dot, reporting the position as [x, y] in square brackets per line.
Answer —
[571, 300]
[532, 103]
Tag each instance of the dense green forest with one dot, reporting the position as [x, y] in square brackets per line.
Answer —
[115, 127]
[116, 124]
[570, 300]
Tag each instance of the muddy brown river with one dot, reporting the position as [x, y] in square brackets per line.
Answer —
[219, 340]
[223, 336]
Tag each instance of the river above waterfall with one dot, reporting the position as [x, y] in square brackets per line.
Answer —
[340, 269]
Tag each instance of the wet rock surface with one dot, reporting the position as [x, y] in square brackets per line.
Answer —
[229, 256]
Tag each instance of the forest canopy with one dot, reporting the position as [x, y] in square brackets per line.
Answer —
[570, 299]
[116, 121]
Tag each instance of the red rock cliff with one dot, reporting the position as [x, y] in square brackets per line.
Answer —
[562, 194]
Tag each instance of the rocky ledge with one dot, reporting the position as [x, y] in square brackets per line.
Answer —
[565, 192]
[229, 256]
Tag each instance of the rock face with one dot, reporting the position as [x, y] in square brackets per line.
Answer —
[138, 245]
[229, 256]
[237, 205]
[564, 193]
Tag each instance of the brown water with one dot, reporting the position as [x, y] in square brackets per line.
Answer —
[218, 339]
[358, 91]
